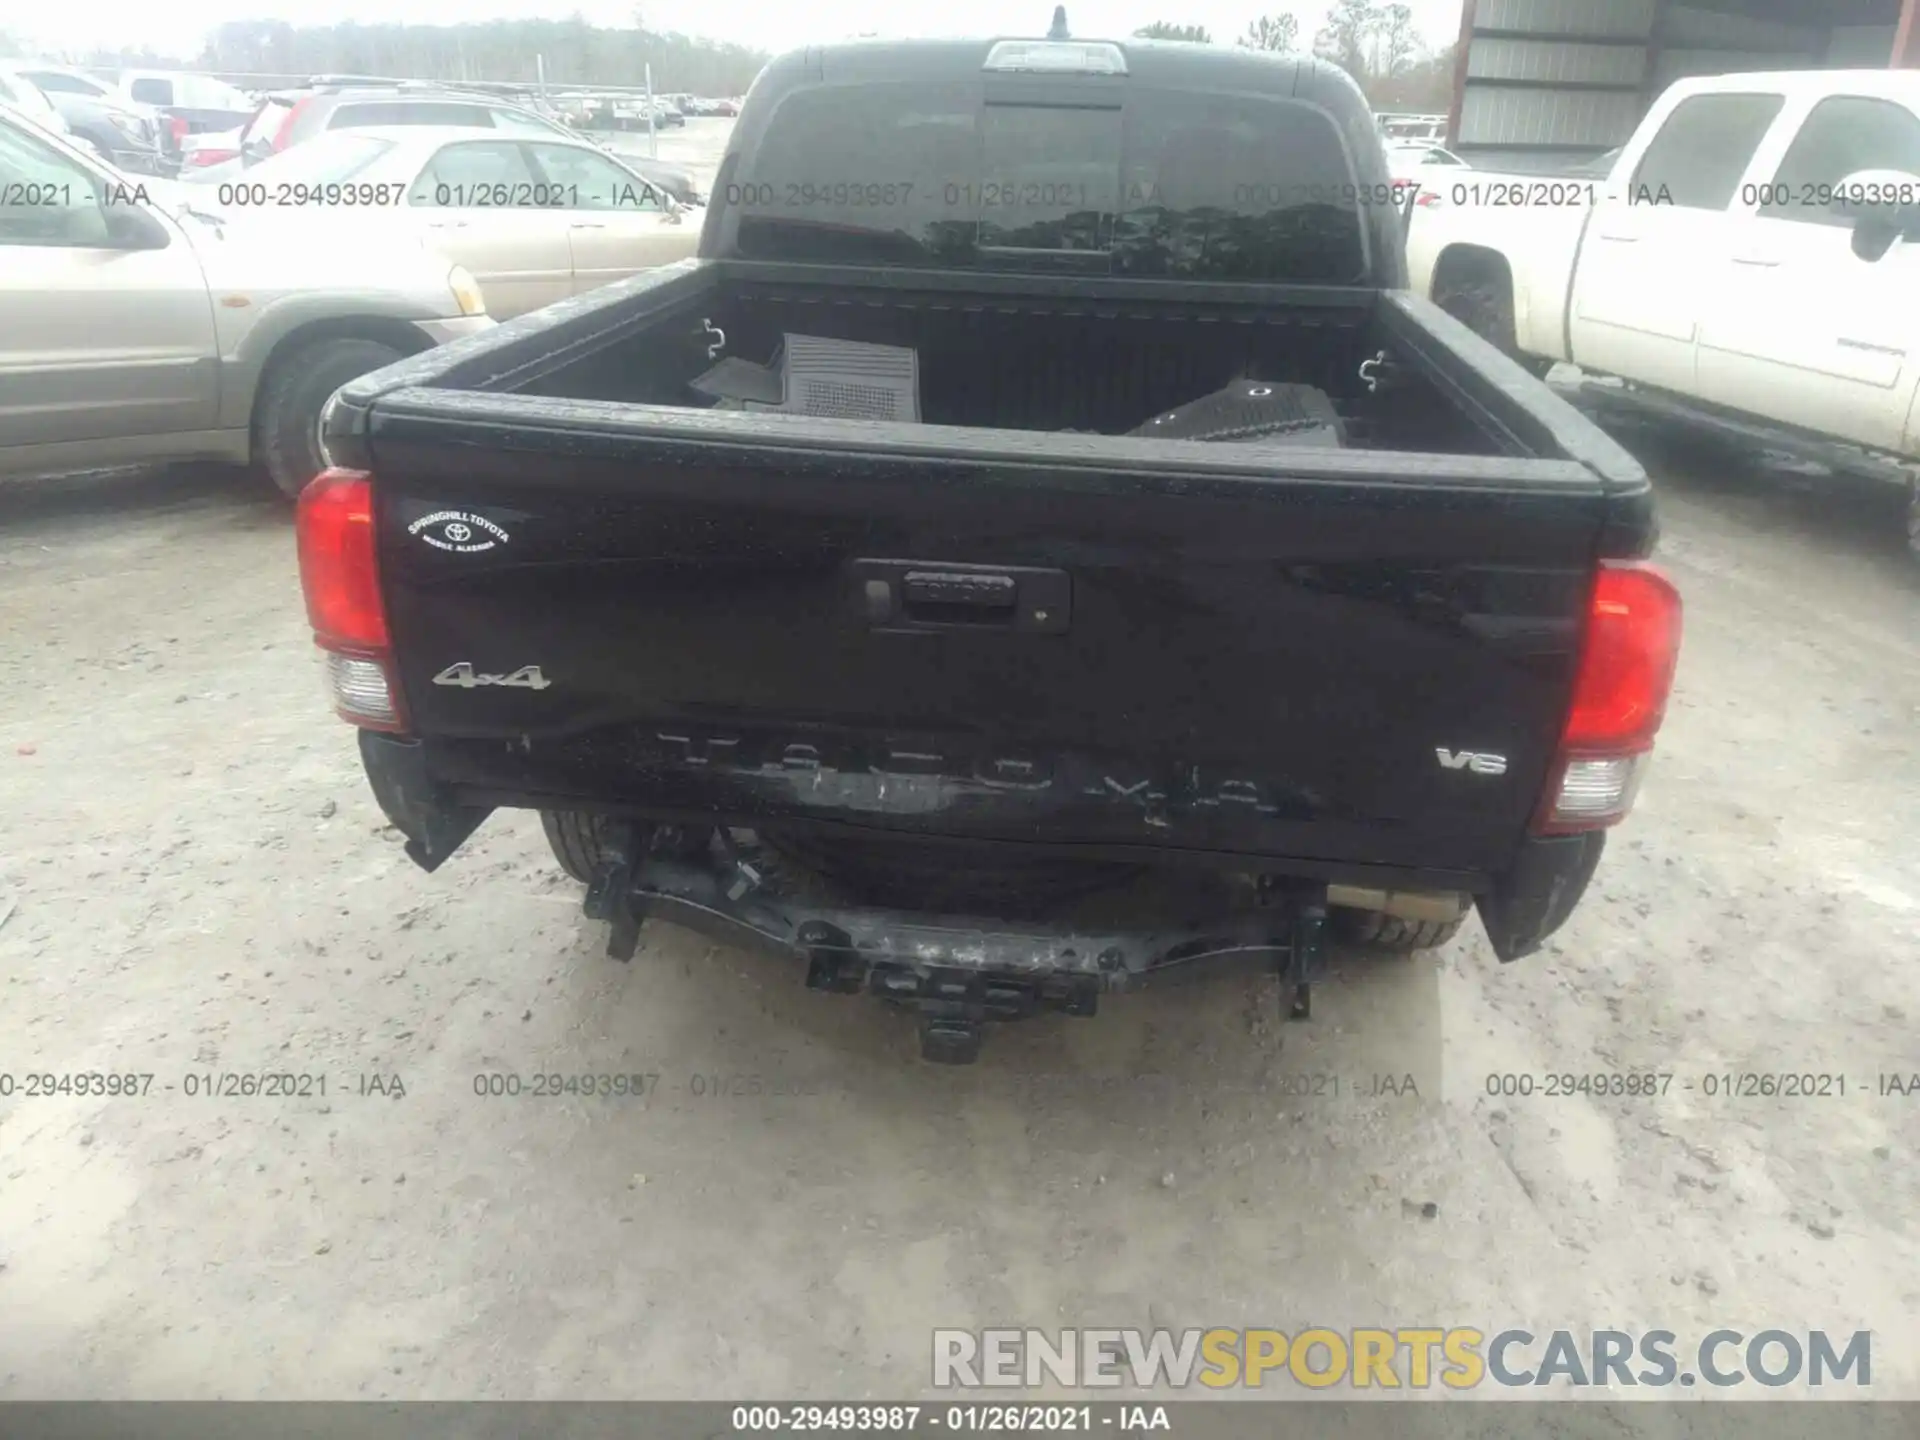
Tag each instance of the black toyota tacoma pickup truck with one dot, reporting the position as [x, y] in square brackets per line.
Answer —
[1038, 542]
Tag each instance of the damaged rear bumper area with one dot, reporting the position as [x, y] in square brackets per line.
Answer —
[956, 972]
[961, 971]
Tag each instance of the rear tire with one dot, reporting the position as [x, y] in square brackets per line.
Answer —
[286, 422]
[1913, 519]
[575, 838]
[1390, 935]
[1483, 302]
[578, 840]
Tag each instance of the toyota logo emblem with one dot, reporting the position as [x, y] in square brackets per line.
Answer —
[458, 531]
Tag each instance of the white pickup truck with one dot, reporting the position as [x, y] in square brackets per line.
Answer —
[1751, 263]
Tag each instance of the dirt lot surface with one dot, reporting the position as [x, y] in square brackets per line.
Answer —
[200, 884]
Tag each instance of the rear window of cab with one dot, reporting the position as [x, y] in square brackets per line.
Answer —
[1165, 183]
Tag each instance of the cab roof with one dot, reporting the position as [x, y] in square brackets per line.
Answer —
[1153, 62]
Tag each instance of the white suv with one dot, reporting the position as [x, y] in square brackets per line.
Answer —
[134, 328]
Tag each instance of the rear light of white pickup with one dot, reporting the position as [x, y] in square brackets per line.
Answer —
[340, 575]
[1627, 660]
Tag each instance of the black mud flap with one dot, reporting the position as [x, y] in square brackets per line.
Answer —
[435, 826]
[1535, 897]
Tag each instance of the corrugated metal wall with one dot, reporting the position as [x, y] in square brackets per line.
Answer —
[1550, 80]
[1568, 17]
[1582, 122]
[1862, 45]
[1547, 83]
[1701, 42]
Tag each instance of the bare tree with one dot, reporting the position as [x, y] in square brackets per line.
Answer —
[1346, 39]
[1272, 32]
[1395, 42]
[577, 53]
[1424, 86]
[1166, 30]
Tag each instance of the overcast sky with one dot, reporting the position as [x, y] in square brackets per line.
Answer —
[176, 26]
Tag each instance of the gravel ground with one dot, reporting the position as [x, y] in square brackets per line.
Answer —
[195, 880]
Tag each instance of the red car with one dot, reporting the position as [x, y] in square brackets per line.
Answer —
[287, 117]
[290, 117]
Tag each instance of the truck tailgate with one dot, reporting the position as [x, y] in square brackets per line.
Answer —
[1079, 641]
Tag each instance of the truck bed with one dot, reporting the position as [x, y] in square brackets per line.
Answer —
[1011, 626]
[1025, 362]
[1014, 353]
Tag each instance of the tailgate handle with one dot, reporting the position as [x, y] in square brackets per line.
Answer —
[918, 595]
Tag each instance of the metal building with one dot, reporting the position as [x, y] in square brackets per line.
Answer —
[1542, 83]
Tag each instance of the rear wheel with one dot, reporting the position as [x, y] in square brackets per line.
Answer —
[1390, 935]
[576, 839]
[579, 840]
[1913, 518]
[1481, 298]
[286, 422]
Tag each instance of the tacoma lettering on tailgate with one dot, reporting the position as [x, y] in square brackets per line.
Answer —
[889, 777]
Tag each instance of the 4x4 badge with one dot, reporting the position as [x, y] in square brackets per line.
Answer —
[527, 677]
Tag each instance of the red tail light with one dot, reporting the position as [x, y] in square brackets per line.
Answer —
[284, 134]
[340, 576]
[1627, 660]
[335, 527]
[1626, 667]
